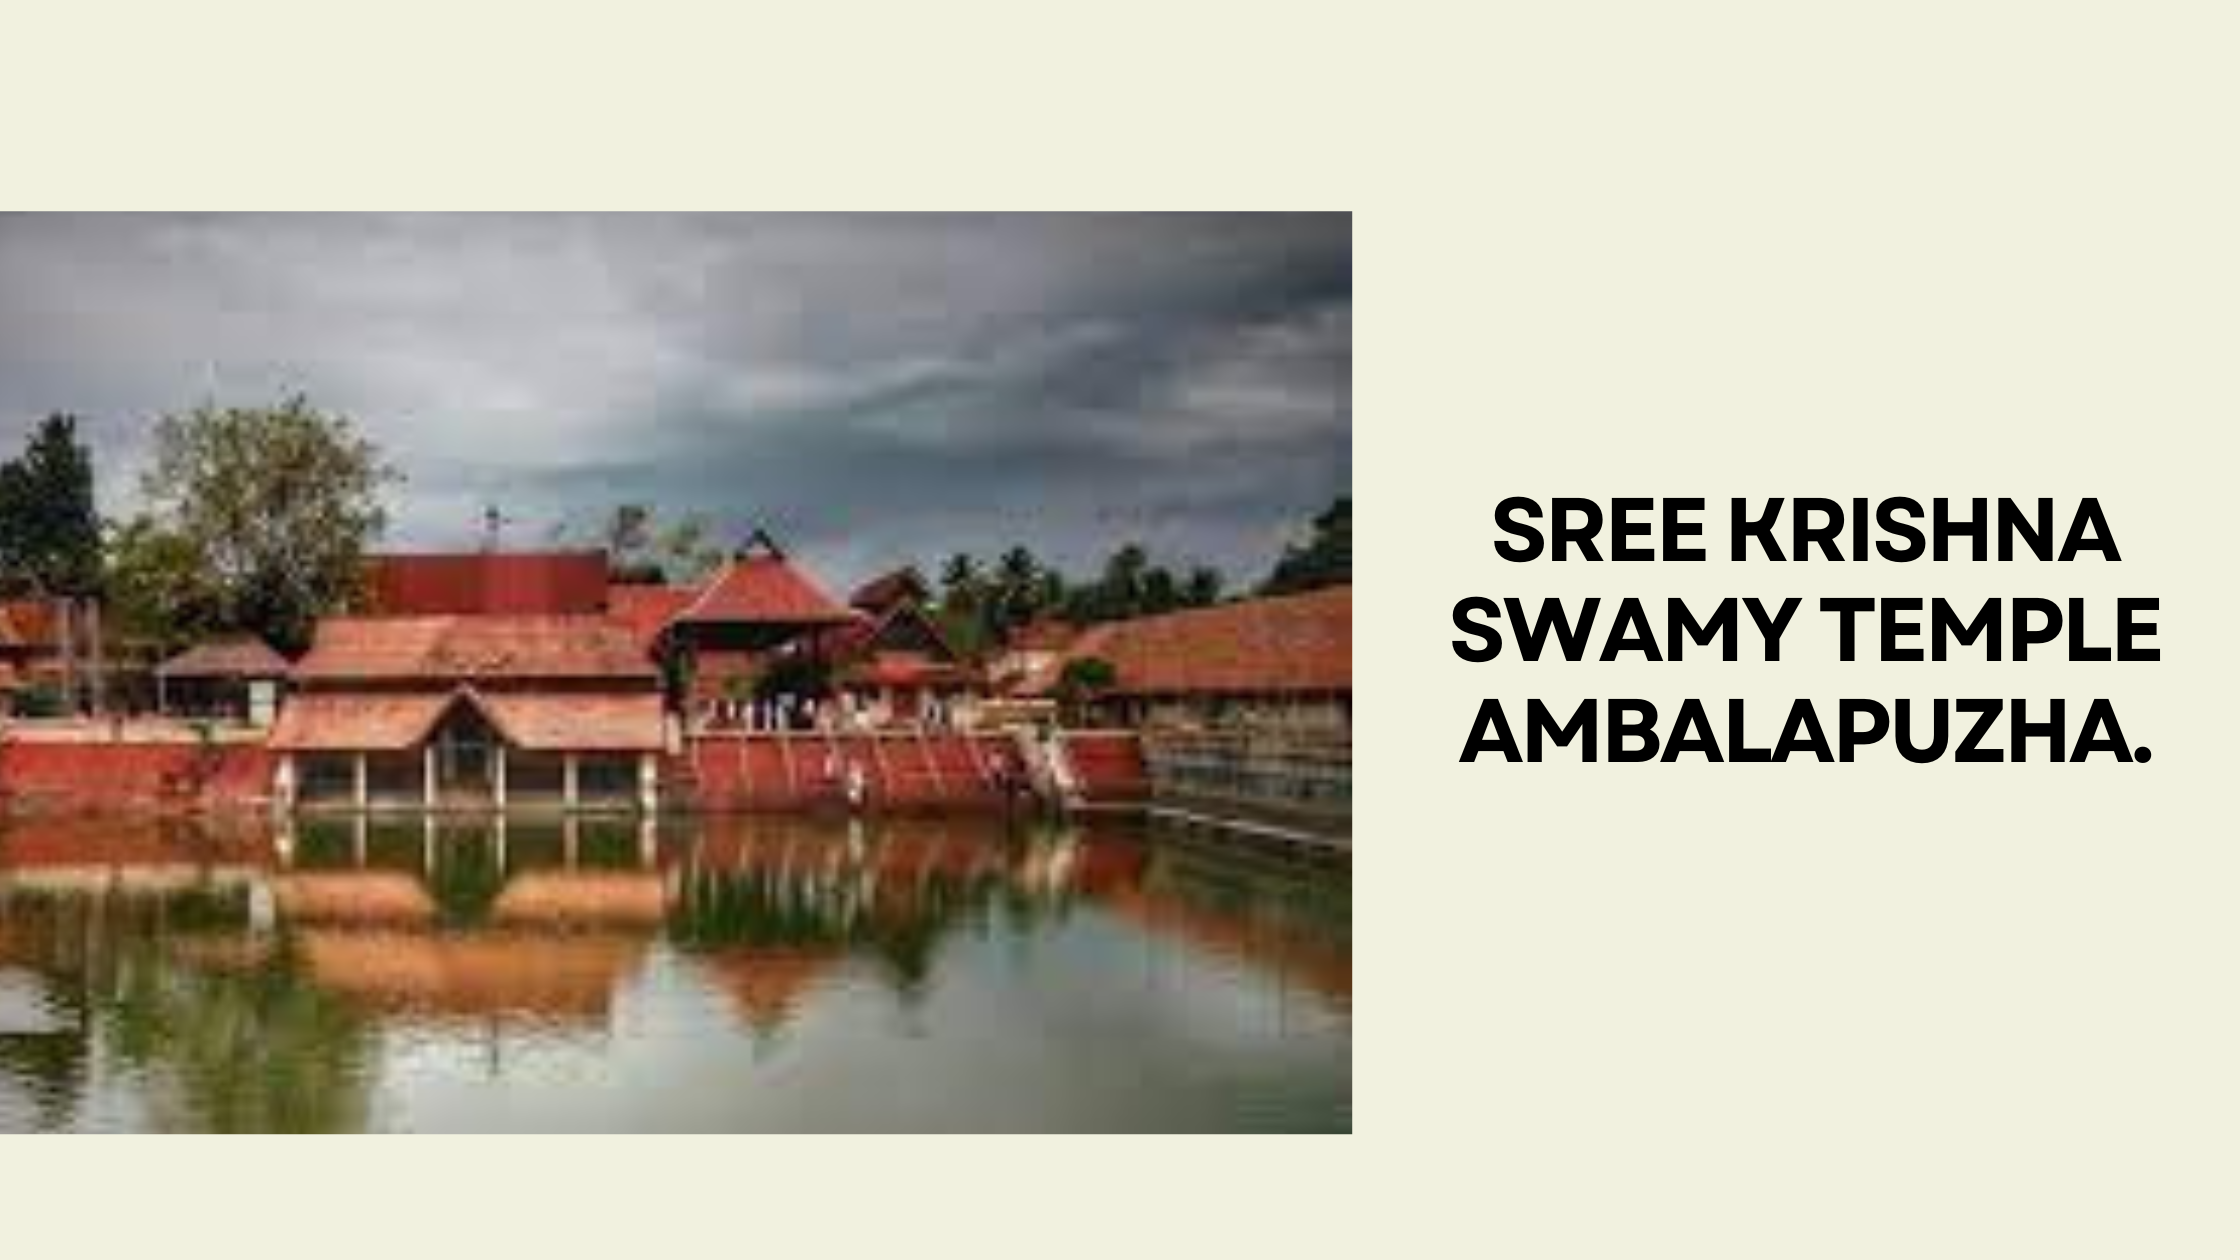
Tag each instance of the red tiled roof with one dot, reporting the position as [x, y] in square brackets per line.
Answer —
[888, 631]
[647, 610]
[466, 649]
[567, 722]
[547, 583]
[888, 589]
[537, 721]
[244, 657]
[763, 589]
[1044, 634]
[1288, 643]
[312, 722]
[903, 669]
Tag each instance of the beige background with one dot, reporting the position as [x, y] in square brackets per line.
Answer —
[1662, 250]
[1794, 1010]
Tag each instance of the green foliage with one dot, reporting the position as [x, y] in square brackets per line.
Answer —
[159, 591]
[1086, 675]
[982, 606]
[50, 536]
[1324, 559]
[642, 549]
[1081, 679]
[258, 519]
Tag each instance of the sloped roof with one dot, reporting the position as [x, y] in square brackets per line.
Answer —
[904, 669]
[460, 649]
[647, 610]
[762, 589]
[1287, 643]
[515, 583]
[568, 722]
[536, 721]
[244, 657]
[888, 589]
[889, 631]
[314, 722]
[1043, 634]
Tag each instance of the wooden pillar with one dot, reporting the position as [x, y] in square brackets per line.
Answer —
[358, 780]
[568, 780]
[428, 777]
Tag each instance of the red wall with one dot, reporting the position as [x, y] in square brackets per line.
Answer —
[1109, 765]
[135, 774]
[771, 771]
[517, 583]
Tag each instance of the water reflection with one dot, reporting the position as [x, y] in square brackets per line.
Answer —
[347, 974]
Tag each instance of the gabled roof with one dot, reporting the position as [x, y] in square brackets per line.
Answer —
[503, 583]
[762, 588]
[535, 721]
[888, 589]
[244, 657]
[568, 722]
[472, 649]
[891, 630]
[1288, 643]
[314, 722]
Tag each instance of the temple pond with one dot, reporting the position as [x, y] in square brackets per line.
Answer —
[724, 973]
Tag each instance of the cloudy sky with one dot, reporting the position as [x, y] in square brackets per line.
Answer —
[876, 388]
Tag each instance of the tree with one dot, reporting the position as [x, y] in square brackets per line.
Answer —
[1324, 559]
[641, 549]
[1079, 680]
[1203, 588]
[160, 592]
[964, 613]
[1160, 592]
[687, 550]
[272, 508]
[50, 535]
[1018, 591]
[960, 576]
[629, 530]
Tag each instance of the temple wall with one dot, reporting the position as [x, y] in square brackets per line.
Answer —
[738, 771]
[134, 774]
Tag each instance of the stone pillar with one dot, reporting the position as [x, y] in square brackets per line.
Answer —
[498, 776]
[358, 780]
[428, 777]
[568, 780]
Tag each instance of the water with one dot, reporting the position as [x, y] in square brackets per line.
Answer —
[728, 974]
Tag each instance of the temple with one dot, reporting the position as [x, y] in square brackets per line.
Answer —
[463, 712]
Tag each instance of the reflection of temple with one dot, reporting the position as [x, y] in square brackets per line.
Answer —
[280, 958]
[1262, 915]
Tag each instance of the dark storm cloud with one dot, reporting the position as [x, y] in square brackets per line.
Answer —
[878, 388]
